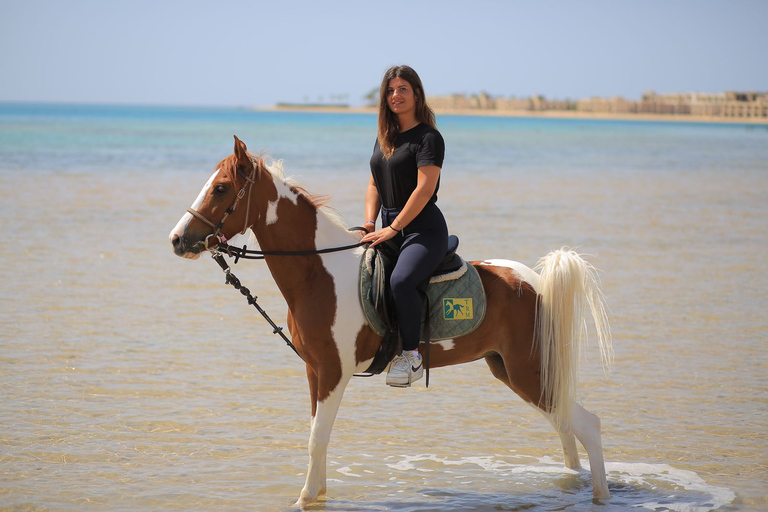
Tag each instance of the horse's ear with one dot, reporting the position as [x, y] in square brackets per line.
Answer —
[241, 152]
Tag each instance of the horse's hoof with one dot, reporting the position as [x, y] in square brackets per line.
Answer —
[304, 500]
[601, 495]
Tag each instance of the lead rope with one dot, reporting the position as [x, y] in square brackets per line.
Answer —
[235, 282]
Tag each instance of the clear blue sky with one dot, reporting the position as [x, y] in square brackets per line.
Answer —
[257, 53]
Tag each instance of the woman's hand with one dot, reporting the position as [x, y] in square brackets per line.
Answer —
[377, 237]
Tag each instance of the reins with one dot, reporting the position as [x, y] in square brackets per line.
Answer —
[250, 254]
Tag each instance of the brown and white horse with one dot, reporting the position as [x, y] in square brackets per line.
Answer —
[530, 337]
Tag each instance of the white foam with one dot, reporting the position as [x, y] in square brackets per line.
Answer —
[346, 470]
[665, 477]
[633, 485]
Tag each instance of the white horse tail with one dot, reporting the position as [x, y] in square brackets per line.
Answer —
[567, 284]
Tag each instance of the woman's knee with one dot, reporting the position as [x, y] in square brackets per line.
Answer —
[402, 283]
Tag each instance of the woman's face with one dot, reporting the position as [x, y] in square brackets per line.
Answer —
[400, 96]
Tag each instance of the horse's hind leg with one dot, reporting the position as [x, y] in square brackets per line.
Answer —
[570, 451]
[586, 427]
[581, 425]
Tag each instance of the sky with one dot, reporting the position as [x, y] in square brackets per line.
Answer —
[258, 53]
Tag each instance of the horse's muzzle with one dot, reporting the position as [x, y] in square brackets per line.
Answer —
[182, 247]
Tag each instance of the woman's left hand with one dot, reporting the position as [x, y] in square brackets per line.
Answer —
[379, 236]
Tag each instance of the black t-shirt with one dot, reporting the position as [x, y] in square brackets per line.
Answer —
[397, 177]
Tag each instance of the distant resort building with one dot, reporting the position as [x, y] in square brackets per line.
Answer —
[728, 104]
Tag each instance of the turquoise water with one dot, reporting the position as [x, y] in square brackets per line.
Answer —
[134, 380]
[77, 138]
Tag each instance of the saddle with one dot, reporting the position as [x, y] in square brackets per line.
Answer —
[454, 303]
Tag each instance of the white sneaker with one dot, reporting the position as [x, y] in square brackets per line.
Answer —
[404, 370]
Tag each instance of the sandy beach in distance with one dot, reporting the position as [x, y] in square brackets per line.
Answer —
[551, 114]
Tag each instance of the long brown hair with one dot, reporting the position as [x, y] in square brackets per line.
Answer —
[388, 124]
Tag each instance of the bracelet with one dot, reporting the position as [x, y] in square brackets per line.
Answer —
[393, 229]
[371, 222]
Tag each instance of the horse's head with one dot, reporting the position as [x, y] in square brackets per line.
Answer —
[222, 209]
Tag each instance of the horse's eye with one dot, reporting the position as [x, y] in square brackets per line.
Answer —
[220, 189]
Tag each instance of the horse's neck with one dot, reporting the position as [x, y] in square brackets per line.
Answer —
[288, 221]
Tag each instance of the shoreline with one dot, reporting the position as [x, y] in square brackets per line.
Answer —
[533, 114]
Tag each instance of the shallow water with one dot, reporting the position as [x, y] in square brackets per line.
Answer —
[134, 380]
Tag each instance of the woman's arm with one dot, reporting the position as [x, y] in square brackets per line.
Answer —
[372, 205]
[425, 189]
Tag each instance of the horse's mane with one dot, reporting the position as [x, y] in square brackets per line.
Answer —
[275, 168]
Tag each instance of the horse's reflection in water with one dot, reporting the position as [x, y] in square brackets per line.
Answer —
[530, 336]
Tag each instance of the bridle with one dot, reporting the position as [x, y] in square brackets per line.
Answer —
[221, 239]
[244, 252]
[220, 248]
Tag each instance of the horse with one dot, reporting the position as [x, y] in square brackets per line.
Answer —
[530, 337]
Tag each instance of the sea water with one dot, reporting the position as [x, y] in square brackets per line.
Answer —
[134, 380]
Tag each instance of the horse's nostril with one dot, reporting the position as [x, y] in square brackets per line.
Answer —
[175, 240]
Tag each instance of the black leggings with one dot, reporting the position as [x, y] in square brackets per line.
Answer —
[423, 244]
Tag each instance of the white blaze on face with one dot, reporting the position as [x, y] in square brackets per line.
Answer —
[181, 227]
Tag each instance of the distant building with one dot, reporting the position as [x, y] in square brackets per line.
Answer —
[614, 105]
[729, 104]
[745, 104]
[653, 103]
[461, 102]
[514, 103]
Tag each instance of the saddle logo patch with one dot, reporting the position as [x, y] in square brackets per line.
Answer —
[457, 309]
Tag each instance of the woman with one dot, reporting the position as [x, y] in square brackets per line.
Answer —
[405, 176]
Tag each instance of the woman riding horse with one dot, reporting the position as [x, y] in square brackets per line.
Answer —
[405, 176]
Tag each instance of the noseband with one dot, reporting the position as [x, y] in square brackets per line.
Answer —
[249, 181]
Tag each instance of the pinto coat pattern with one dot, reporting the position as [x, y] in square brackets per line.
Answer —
[530, 337]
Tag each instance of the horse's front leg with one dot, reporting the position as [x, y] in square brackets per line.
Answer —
[324, 415]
